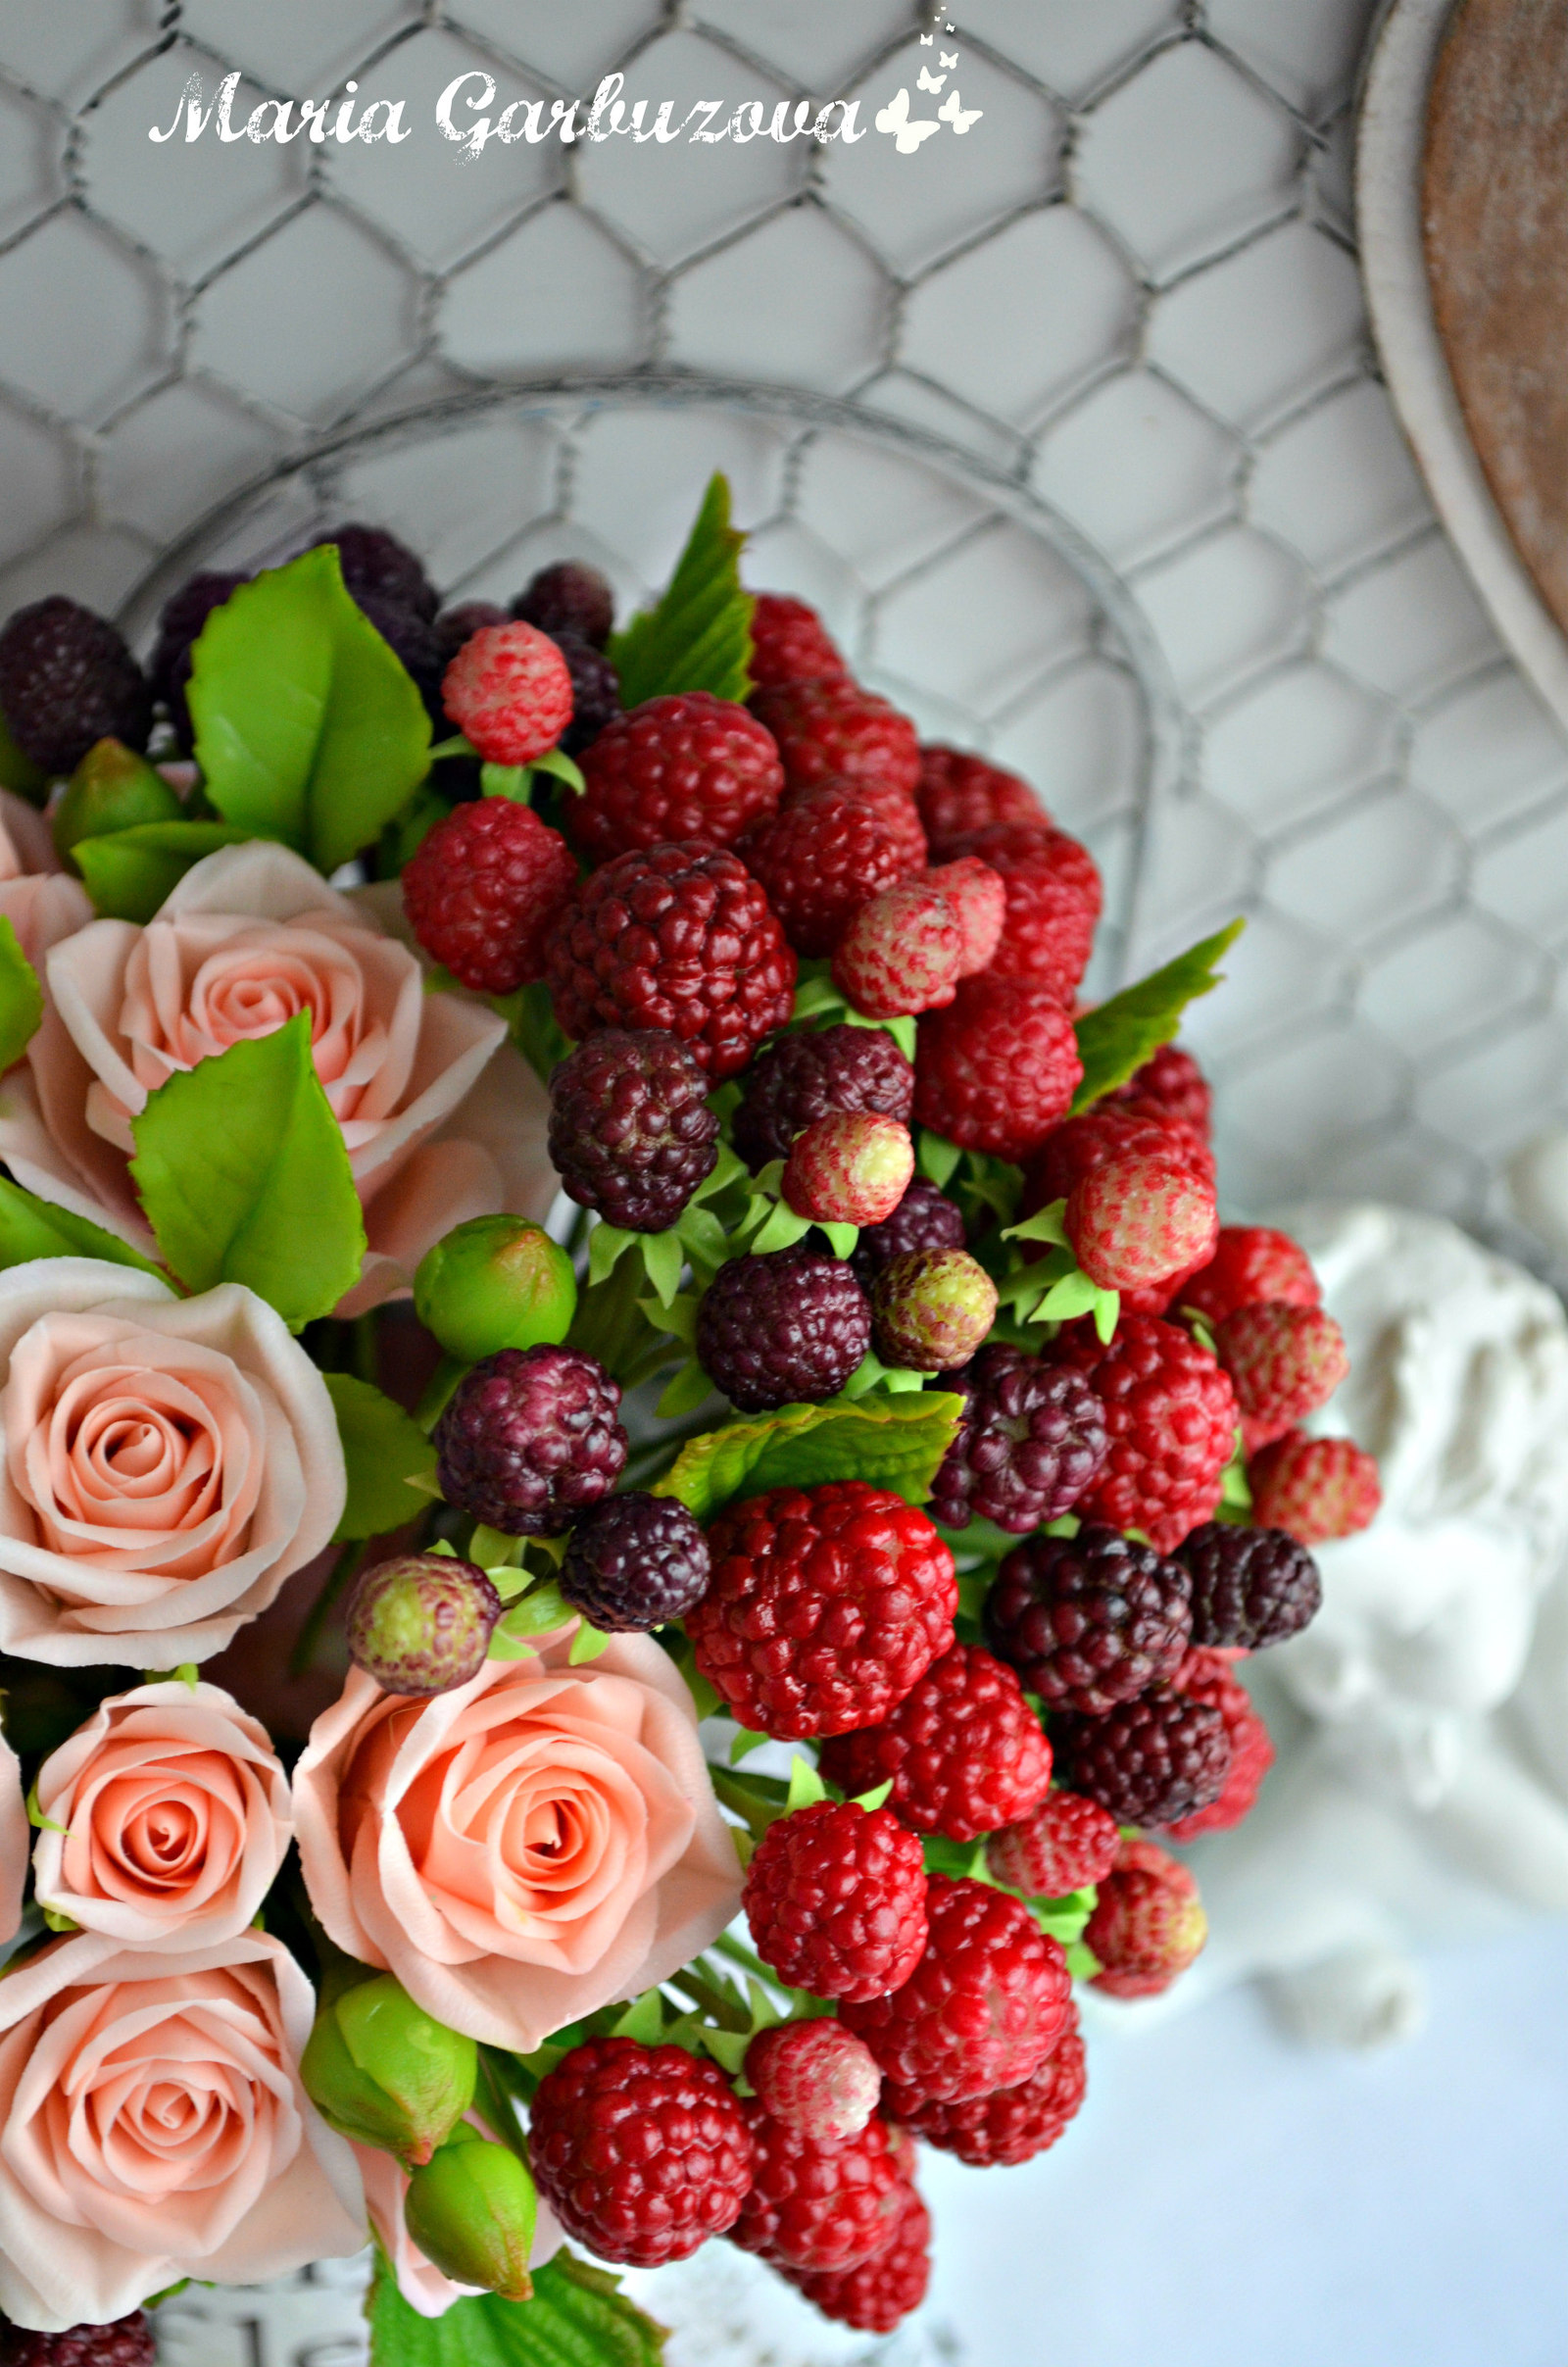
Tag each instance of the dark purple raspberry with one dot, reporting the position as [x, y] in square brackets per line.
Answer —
[412, 640]
[530, 1439]
[569, 598]
[456, 626]
[924, 1220]
[127, 2343]
[1090, 1620]
[801, 1078]
[1027, 1447]
[1150, 1761]
[180, 621]
[632, 1134]
[1251, 1587]
[784, 1329]
[67, 680]
[635, 1561]
[375, 561]
[595, 691]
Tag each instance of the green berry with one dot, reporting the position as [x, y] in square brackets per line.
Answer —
[931, 1310]
[113, 788]
[471, 2210]
[422, 1623]
[381, 2070]
[495, 1282]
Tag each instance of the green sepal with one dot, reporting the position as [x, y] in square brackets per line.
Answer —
[540, 1611]
[871, 1373]
[21, 997]
[1235, 1488]
[816, 998]
[1045, 1224]
[698, 635]
[563, 767]
[36, 1818]
[31, 1227]
[781, 1229]
[937, 1158]
[389, 1461]
[1082, 1962]
[877, 1797]
[805, 1785]
[1065, 1918]
[643, 2020]
[1118, 1036]
[512, 781]
[587, 1644]
[130, 873]
[690, 1388]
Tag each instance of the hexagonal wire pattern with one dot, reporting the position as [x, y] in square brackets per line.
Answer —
[1074, 430]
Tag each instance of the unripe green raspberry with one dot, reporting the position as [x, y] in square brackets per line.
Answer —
[931, 1310]
[422, 1623]
[471, 2210]
[113, 788]
[495, 1282]
[381, 2070]
[850, 1168]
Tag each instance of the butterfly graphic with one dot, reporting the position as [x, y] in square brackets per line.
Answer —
[926, 41]
[953, 111]
[929, 80]
[945, 59]
[895, 119]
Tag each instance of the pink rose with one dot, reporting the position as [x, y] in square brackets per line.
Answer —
[166, 1818]
[423, 2285]
[152, 2127]
[442, 1119]
[168, 1464]
[523, 1849]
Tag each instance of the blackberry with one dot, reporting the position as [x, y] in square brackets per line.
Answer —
[127, 2343]
[924, 1220]
[1251, 1587]
[1031, 1440]
[1090, 1620]
[569, 598]
[455, 625]
[632, 1134]
[783, 1329]
[412, 640]
[375, 561]
[635, 1561]
[180, 621]
[802, 1077]
[1150, 1761]
[530, 1439]
[595, 691]
[67, 680]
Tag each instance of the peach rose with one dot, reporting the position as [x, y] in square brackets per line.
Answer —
[424, 2286]
[442, 1119]
[166, 1817]
[523, 1849]
[152, 2127]
[168, 1464]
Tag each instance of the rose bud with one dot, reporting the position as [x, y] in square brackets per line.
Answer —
[931, 1310]
[495, 1282]
[422, 1623]
[111, 789]
[381, 2070]
[470, 2209]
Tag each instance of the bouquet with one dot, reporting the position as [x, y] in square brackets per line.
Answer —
[782, 1615]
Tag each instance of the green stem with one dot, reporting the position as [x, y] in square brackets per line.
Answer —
[336, 1580]
[739, 1953]
[502, 2083]
[711, 1999]
[610, 1324]
[756, 1815]
[363, 1349]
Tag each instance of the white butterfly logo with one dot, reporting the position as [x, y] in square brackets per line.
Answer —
[926, 41]
[895, 119]
[952, 111]
[947, 61]
[929, 80]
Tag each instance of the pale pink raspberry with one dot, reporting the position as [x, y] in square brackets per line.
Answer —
[850, 1168]
[509, 691]
[979, 900]
[901, 953]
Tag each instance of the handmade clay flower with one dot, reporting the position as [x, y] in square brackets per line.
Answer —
[421, 2284]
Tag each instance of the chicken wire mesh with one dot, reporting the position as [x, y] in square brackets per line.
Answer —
[1072, 427]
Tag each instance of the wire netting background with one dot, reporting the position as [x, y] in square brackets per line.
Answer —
[1071, 425]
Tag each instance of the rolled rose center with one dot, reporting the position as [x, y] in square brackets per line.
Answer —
[142, 1455]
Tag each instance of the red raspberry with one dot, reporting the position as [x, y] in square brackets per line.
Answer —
[1148, 1925]
[851, 1167]
[1171, 1413]
[826, 1605]
[982, 2010]
[679, 937]
[901, 952]
[1109, 1130]
[686, 766]
[1141, 1219]
[964, 1750]
[1172, 1081]
[875, 2296]
[979, 901]
[643, 2151]
[1284, 1363]
[818, 2204]
[825, 729]
[1054, 899]
[1207, 1676]
[998, 1068]
[1150, 1761]
[1011, 2124]
[836, 1900]
[482, 889]
[820, 860]
[892, 804]
[1250, 1263]
[1064, 1844]
[1316, 1487]
[816, 2077]
[790, 643]
[509, 691]
[960, 793]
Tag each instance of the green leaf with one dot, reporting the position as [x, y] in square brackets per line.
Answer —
[21, 998]
[606, 1248]
[1122, 1034]
[663, 1262]
[129, 873]
[31, 1227]
[578, 2317]
[806, 1787]
[896, 1443]
[938, 1158]
[781, 1231]
[308, 728]
[242, 1172]
[689, 1389]
[1044, 1225]
[556, 761]
[388, 1454]
[699, 636]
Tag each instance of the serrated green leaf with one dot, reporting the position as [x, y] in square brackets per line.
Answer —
[889, 1445]
[21, 997]
[663, 1263]
[578, 2317]
[131, 872]
[1119, 1036]
[384, 1450]
[698, 636]
[241, 1170]
[806, 1787]
[308, 728]
[31, 1227]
